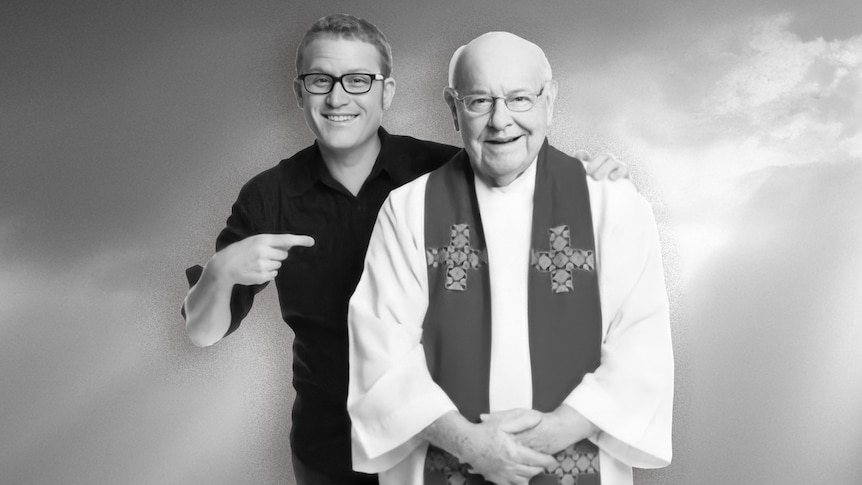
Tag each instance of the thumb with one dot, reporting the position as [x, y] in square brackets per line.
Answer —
[499, 416]
[583, 155]
[287, 241]
[518, 422]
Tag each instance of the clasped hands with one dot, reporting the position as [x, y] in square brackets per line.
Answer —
[510, 447]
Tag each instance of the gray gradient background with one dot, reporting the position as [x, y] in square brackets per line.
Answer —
[127, 128]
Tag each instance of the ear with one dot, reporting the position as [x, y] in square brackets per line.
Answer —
[388, 92]
[298, 92]
[551, 91]
[449, 96]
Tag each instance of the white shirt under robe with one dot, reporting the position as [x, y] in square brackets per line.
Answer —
[629, 397]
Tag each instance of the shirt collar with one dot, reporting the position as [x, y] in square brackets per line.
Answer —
[308, 168]
[391, 159]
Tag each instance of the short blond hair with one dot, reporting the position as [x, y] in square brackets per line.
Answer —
[345, 26]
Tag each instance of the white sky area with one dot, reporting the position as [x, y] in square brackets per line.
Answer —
[769, 99]
[126, 132]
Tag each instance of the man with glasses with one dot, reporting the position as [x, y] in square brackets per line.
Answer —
[511, 322]
[318, 207]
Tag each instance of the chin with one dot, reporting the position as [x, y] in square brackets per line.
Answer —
[339, 141]
[506, 166]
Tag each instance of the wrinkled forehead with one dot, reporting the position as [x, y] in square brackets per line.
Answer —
[498, 77]
[500, 64]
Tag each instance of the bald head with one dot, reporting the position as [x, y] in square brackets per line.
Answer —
[497, 51]
[507, 83]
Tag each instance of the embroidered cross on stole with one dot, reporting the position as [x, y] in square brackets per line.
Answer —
[564, 312]
[457, 258]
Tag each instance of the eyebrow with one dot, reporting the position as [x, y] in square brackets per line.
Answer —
[507, 93]
[352, 70]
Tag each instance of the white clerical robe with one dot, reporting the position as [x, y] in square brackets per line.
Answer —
[629, 397]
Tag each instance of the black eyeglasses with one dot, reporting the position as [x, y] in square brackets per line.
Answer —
[353, 82]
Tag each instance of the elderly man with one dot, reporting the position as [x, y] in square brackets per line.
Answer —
[512, 320]
[330, 191]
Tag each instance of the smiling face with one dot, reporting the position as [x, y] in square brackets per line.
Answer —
[343, 122]
[502, 143]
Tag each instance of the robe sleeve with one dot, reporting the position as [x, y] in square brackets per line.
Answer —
[391, 396]
[629, 397]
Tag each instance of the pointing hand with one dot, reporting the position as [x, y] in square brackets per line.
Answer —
[256, 259]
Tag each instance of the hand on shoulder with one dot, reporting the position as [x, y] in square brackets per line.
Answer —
[603, 166]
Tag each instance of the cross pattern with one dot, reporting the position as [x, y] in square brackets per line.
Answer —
[562, 259]
[578, 459]
[454, 472]
[581, 458]
[457, 257]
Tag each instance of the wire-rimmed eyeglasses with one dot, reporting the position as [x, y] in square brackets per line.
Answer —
[483, 103]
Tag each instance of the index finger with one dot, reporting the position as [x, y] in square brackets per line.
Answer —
[287, 241]
[600, 162]
[532, 457]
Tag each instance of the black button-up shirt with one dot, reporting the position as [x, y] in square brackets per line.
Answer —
[299, 196]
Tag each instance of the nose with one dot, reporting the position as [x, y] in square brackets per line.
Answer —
[501, 117]
[338, 96]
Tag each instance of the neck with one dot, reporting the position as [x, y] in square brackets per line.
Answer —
[351, 167]
[501, 181]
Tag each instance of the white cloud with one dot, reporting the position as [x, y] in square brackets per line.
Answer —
[744, 96]
[741, 98]
[788, 100]
[772, 64]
